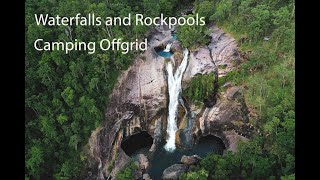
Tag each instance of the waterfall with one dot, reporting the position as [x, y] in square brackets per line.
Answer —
[174, 86]
[168, 47]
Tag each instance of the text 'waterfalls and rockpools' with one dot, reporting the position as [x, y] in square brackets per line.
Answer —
[140, 19]
[115, 44]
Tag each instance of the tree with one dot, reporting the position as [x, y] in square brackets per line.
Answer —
[128, 172]
[151, 8]
[35, 160]
[166, 7]
[222, 10]
[192, 36]
[261, 22]
[62, 118]
[205, 9]
[68, 96]
[199, 175]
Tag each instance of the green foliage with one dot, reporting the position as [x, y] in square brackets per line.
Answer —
[66, 94]
[192, 36]
[151, 7]
[205, 9]
[111, 165]
[216, 166]
[288, 177]
[35, 160]
[268, 76]
[168, 6]
[127, 173]
[222, 10]
[201, 87]
[199, 175]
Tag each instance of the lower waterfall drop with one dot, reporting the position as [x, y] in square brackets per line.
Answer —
[174, 86]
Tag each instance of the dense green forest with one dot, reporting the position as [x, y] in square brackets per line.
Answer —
[268, 75]
[66, 94]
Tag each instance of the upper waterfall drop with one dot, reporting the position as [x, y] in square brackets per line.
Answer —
[174, 87]
[168, 47]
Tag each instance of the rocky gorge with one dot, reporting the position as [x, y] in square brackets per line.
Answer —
[137, 113]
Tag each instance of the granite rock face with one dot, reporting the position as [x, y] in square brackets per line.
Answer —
[224, 51]
[140, 98]
[138, 103]
[224, 118]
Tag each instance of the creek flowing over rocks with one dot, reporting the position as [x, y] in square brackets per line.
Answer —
[138, 109]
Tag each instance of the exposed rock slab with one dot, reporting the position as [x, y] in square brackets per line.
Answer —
[226, 115]
[224, 51]
[173, 172]
[138, 99]
[199, 63]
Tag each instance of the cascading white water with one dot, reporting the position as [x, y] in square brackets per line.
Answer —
[168, 47]
[174, 86]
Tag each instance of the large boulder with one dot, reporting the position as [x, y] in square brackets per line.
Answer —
[232, 139]
[190, 160]
[143, 161]
[234, 93]
[174, 172]
[146, 177]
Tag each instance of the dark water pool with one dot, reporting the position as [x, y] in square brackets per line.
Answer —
[136, 143]
[163, 159]
[160, 51]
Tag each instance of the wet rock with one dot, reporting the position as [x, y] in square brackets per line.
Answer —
[146, 177]
[190, 160]
[143, 161]
[176, 46]
[138, 174]
[157, 133]
[173, 172]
